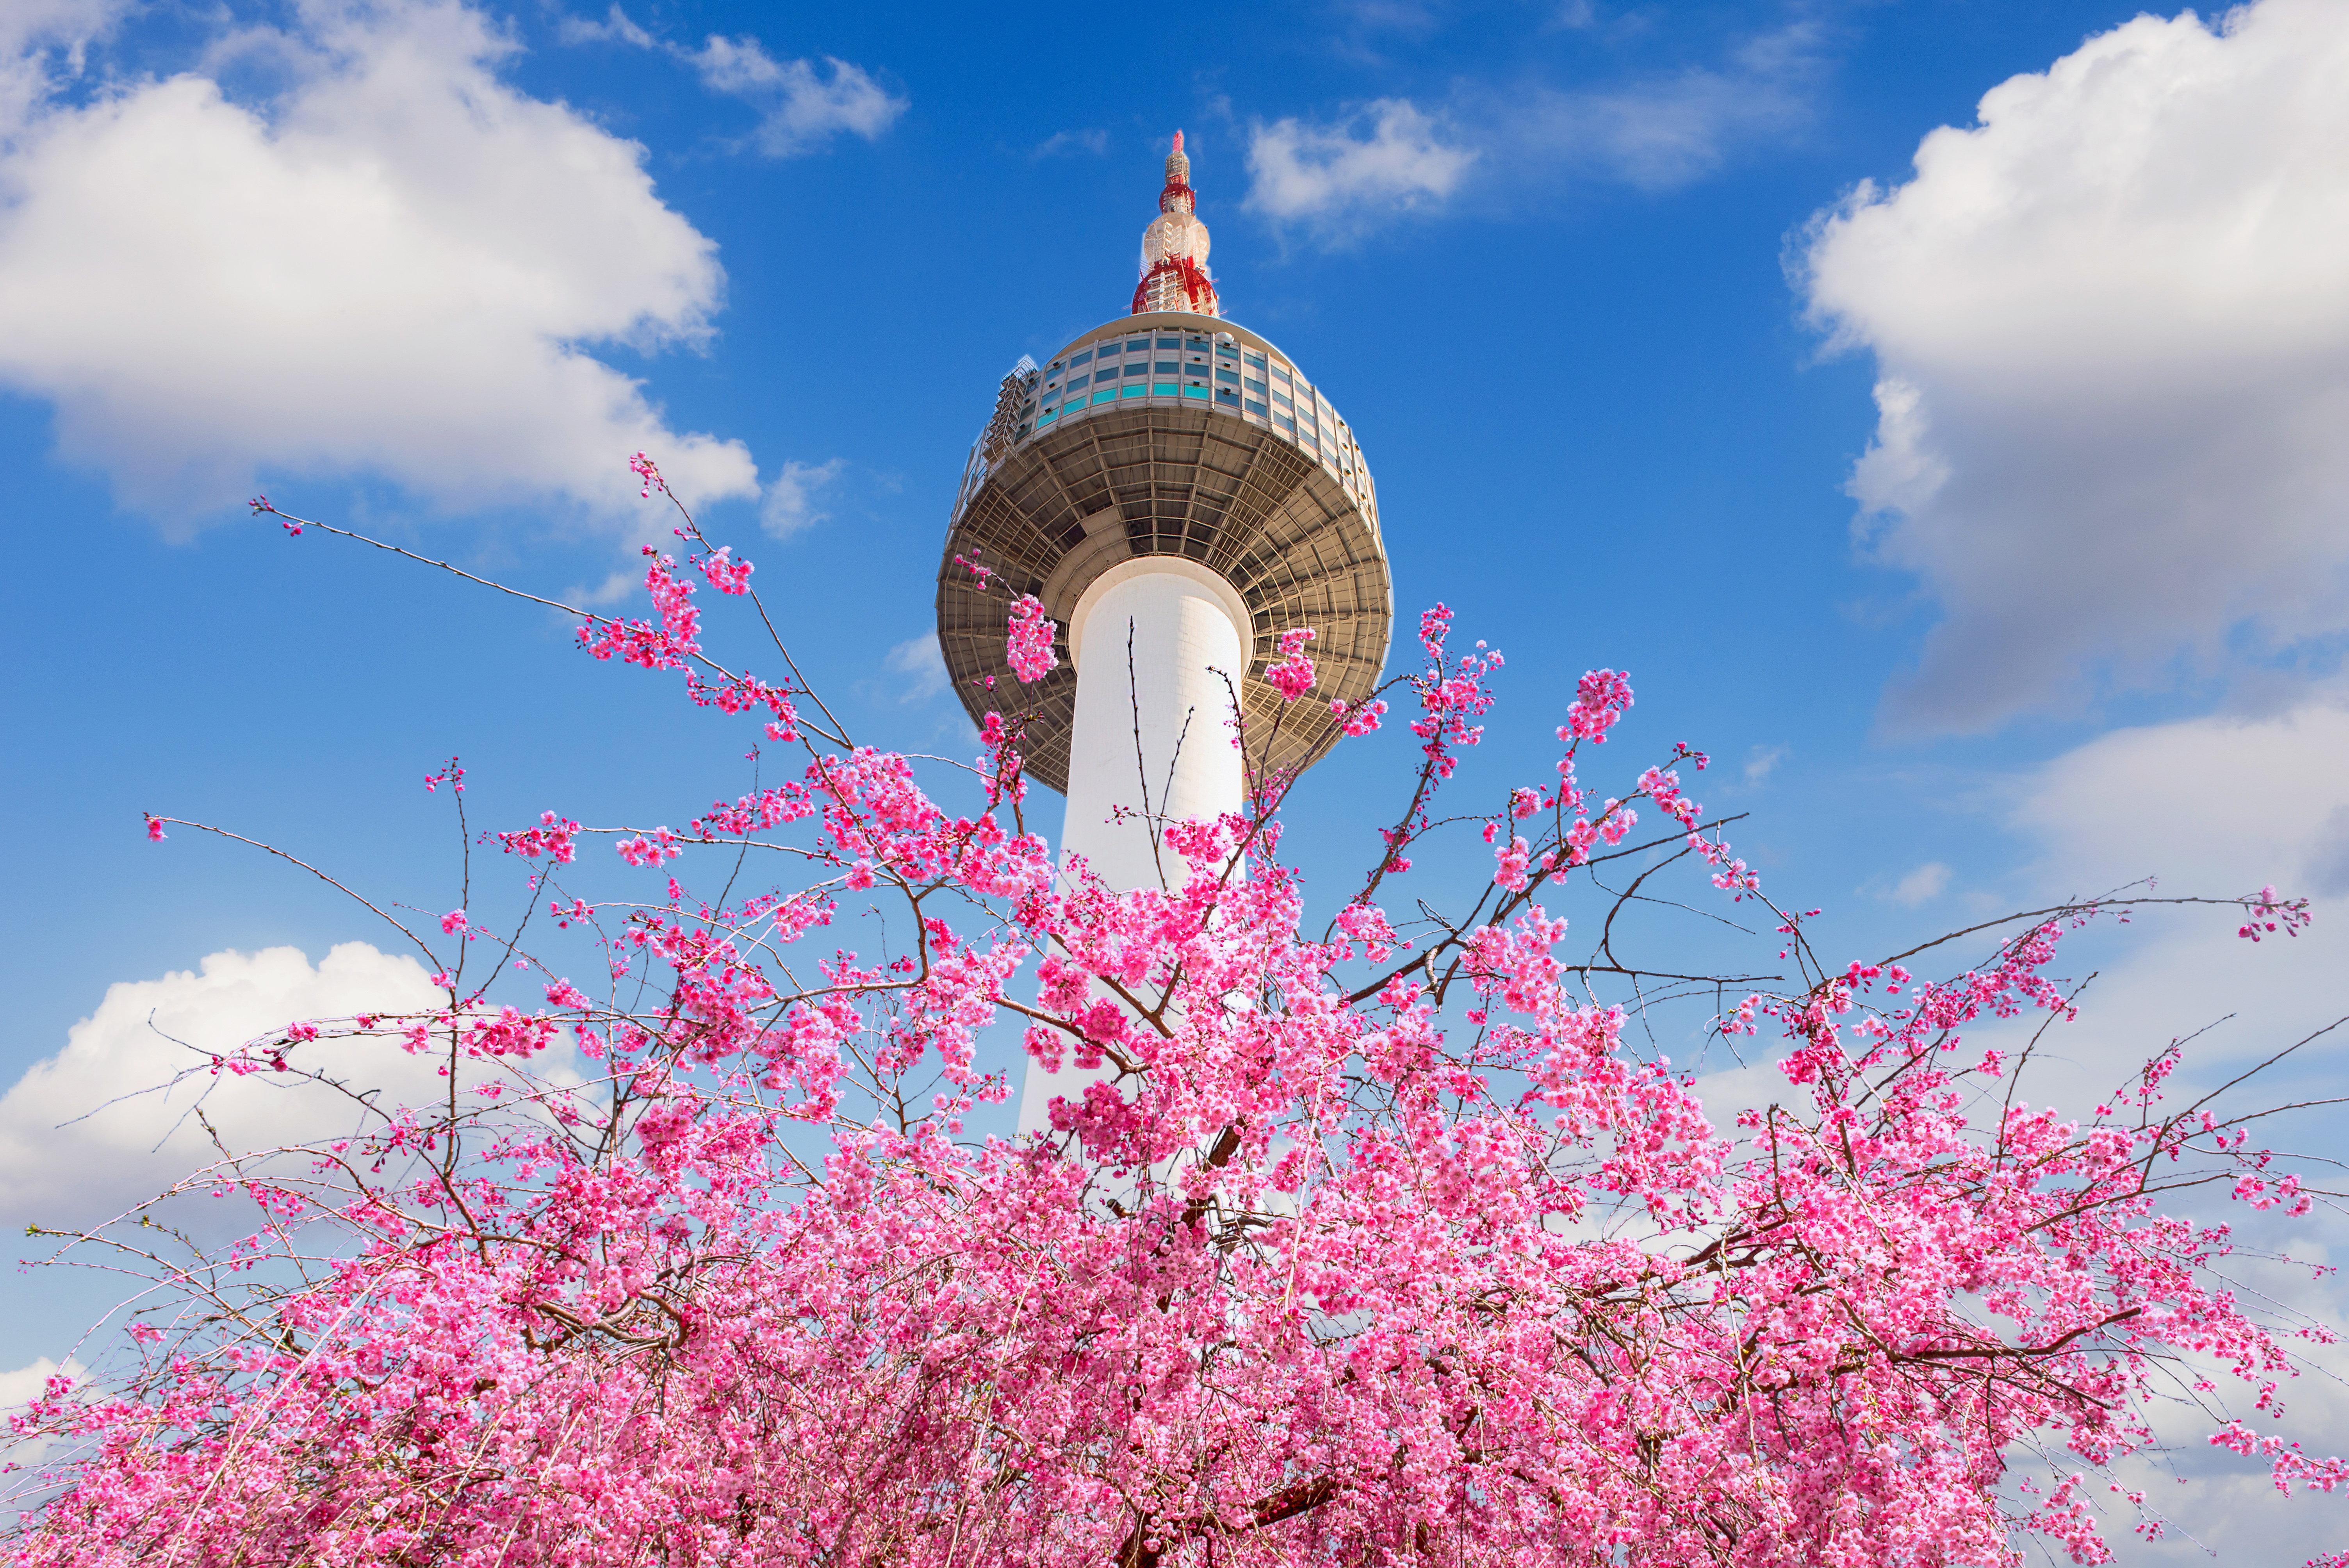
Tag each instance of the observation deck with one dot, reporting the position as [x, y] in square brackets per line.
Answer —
[1169, 433]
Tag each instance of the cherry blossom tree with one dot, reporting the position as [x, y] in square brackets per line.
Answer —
[1382, 1237]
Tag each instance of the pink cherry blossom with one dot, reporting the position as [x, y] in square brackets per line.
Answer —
[1291, 673]
[726, 574]
[1359, 718]
[1029, 645]
[1383, 1233]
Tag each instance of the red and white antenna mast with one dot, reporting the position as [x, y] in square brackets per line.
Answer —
[1174, 249]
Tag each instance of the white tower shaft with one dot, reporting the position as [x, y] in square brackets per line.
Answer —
[1151, 482]
[1161, 645]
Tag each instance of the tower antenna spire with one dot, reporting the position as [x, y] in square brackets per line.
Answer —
[1174, 274]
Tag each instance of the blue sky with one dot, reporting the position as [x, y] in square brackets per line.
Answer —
[1960, 471]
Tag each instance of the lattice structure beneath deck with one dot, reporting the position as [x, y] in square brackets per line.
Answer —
[1165, 478]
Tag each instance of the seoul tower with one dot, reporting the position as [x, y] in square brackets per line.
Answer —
[1178, 493]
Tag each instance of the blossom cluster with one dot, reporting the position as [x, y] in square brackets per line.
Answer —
[1390, 1244]
[1028, 643]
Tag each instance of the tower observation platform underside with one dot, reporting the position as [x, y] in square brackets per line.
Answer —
[1279, 507]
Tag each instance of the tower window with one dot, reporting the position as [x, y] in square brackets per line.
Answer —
[1231, 376]
[1226, 395]
[1170, 367]
[1254, 361]
[1255, 407]
[1256, 387]
[1170, 342]
[1077, 359]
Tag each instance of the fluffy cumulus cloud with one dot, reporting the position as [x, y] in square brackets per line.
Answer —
[40, 39]
[1390, 156]
[101, 1124]
[2112, 343]
[389, 266]
[20, 1386]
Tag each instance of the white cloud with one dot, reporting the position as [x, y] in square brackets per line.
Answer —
[2328, 869]
[79, 1140]
[2226, 801]
[1924, 884]
[791, 504]
[2113, 350]
[19, 1387]
[1763, 761]
[1390, 155]
[800, 106]
[390, 268]
[616, 27]
[62, 23]
[2215, 805]
[1656, 131]
[617, 588]
[2220, 805]
[41, 41]
[1095, 143]
[921, 658]
[1662, 132]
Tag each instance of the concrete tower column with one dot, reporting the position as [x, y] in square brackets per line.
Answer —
[1183, 625]
[1160, 645]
